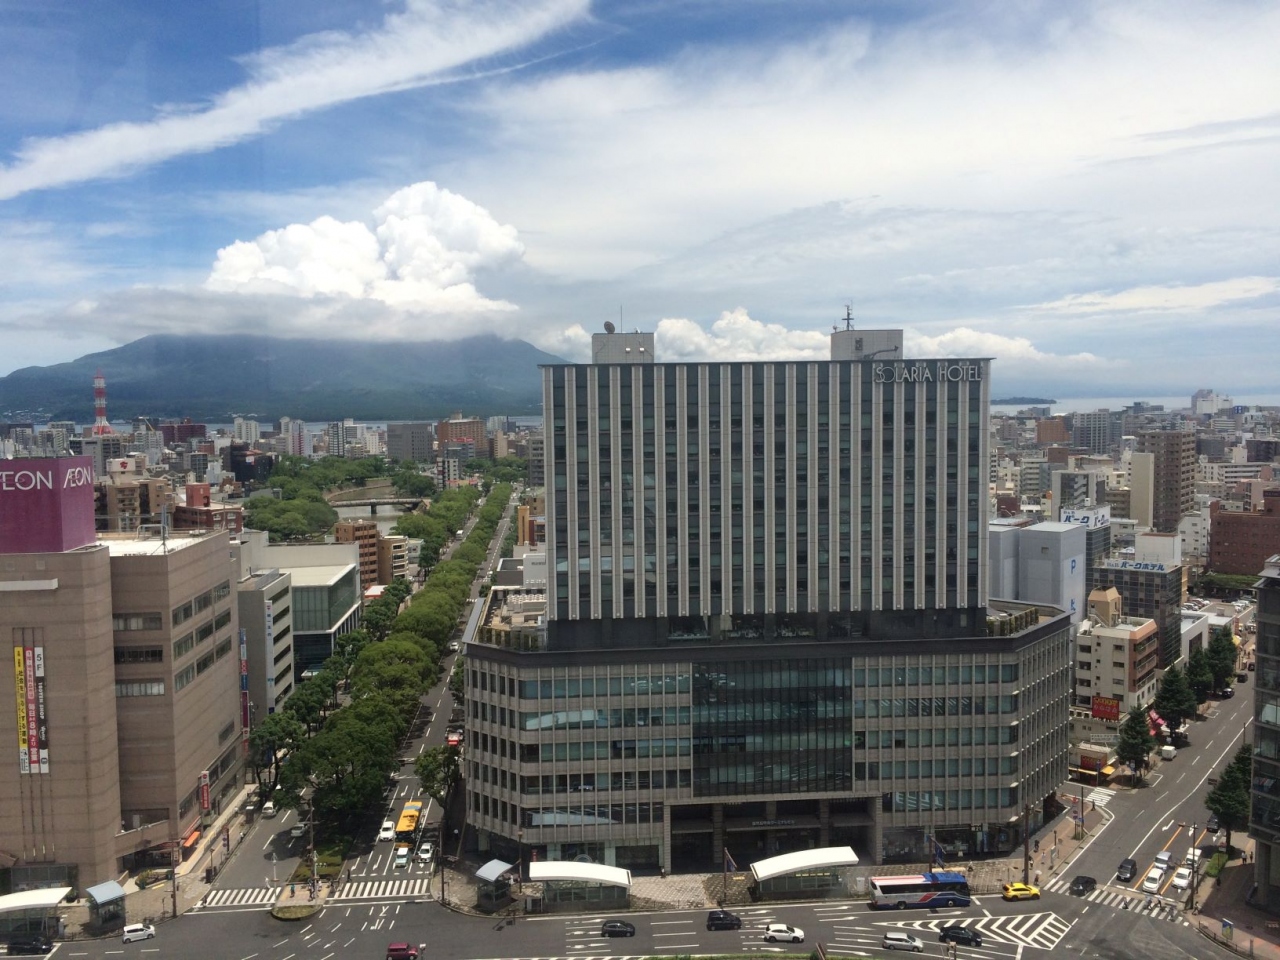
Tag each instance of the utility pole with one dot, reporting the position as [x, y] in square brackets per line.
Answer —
[1026, 843]
[311, 821]
[1080, 829]
[1195, 862]
[173, 875]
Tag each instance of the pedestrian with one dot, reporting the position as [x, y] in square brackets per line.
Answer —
[1037, 876]
[292, 886]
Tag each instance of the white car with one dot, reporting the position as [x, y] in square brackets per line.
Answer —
[426, 853]
[388, 831]
[402, 855]
[1182, 879]
[902, 941]
[1151, 883]
[780, 931]
[137, 931]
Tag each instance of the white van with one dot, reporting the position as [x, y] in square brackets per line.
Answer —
[1194, 856]
[894, 940]
[137, 931]
[268, 809]
[1168, 752]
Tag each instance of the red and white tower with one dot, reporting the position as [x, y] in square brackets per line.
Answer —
[100, 425]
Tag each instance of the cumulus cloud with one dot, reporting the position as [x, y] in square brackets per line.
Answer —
[413, 48]
[421, 254]
[1019, 351]
[736, 336]
[1172, 298]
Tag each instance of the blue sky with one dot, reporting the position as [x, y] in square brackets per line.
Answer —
[1085, 191]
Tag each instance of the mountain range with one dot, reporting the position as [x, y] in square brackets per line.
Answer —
[215, 378]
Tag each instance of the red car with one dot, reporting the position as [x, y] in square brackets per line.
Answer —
[453, 738]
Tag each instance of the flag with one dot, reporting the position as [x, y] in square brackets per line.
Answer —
[729, 865]
[939, 855]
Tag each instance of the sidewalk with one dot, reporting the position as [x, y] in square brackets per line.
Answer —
[1256, 932]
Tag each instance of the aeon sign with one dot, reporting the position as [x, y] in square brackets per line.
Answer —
[46, 506]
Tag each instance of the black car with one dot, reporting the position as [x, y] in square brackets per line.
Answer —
[1127, 870]
[1081, 885]
[617, 928]
[723, 920]
[29, 943]
[959, 934]
[1212, 824]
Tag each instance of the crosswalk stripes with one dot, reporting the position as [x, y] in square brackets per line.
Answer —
[1041, 930]
[1121, 900]
[244, 897]
[1100, 796]
[384, 889]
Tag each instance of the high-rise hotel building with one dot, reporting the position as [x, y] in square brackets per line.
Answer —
[767, 622]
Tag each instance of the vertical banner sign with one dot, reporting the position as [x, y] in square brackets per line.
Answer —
[20, 688]
[204, 790]
[244, 689]
[33, 734]
[42, 708]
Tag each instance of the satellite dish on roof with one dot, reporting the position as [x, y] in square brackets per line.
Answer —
[609, 327]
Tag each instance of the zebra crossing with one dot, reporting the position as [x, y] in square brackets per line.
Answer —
[1158, 909]
[1041, 930]
[1100, 796]
[244, 897]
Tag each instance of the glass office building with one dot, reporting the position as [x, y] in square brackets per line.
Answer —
[768, 626]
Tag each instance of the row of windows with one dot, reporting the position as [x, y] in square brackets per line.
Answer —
[142, 688]
[597, 814]
[185, 611]
[935, 706]
[595, 719]
[137, 621]
[605, 749]
[588, 782]
[901, 676]
[928, 737]
[599, 686]
[949, 767]
[139, 654]
[914, 800]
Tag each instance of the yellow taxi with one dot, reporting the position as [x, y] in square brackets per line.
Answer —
[1020, 891]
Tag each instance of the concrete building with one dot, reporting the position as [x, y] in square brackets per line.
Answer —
[393, 559]
[124, 502]
[1092, 430]
[1174, 471]
[1193, 531]
[127, 677]
[1117, 660]
[1264, 819]
[460, 429]
[1242, 542]
[410, 441]
[1076, 490]
[749, 565]
[1096, 522]
[1150, 579]
[265, 600]
[1041, 563]
[199, 511]
[537, 454]
[364, 534]
[326, 596]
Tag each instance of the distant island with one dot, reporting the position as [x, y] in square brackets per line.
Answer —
[1027, 401]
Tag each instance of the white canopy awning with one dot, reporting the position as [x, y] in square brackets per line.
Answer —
[804, 860]
[575, 870]
[45, 899]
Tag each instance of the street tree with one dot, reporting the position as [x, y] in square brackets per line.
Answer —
[1199, 676]
[1175, 701]
[437, 770]
[1135, 742]
[1229, 799]
[1222, 657]
[270, 742]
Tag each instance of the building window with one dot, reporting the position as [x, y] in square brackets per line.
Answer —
[183, 613]
[226, 732]
[138, 621]
[222, 619]
[139, 654]
[183, 677]
[142, 688]
[184, 646]
[224, 648]
[205, 662]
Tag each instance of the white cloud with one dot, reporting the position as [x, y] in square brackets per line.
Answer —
[421, 255]
[1015, 352]
[736, 336]
[1172, 298]
[410, 49]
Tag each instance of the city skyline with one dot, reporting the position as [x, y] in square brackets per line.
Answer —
[1082, 195]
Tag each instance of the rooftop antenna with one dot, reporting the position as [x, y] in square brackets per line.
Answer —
[848, 316]
[609, 327]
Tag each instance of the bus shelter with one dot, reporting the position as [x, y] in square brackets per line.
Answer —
[32, 911]
[805, 874]
[494, 890]
[106, 905]
[571, 885]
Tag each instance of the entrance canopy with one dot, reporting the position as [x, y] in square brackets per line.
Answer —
[815, 859]
[45, 899]
[586, 872]
[492, 870]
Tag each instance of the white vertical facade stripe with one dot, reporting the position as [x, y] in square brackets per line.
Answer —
[660, 491]
[877, 498]
[681, 565]
[618, 491]
[593, 491]
[642, 546]
[814, 534]
[748, 506]
[855, 487]
[704, 491]
[836, 384]
[572, 493]
[962, 488]
[921, 486]
[770, 511]
[726, 489]
[551, 437]
[790, 448]
[984, 457]
[898, 546]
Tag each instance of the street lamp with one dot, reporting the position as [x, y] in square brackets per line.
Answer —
[1195, 861]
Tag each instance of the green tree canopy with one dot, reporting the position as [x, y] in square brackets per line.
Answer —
[1135, 742]
[1199, 676]
[1229, 799]
[437, 771]
[1222, 657]
[270, 741]
[1174, 701]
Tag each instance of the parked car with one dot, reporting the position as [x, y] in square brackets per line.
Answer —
[1182, 879]
[137, 931]
[298, 830]
[723, 920]
[1020, 891]
[781, 931]
[1212, 823]
[1127, 870]
[617, 928]
[958, 934]
[388, 831]
[453, 646]
[268, 809]
[894, 940]
[29, 944]
[1081, 885]
[1151, 882]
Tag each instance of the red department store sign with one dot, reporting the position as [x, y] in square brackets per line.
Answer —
[46, 505]
[1106, 708]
